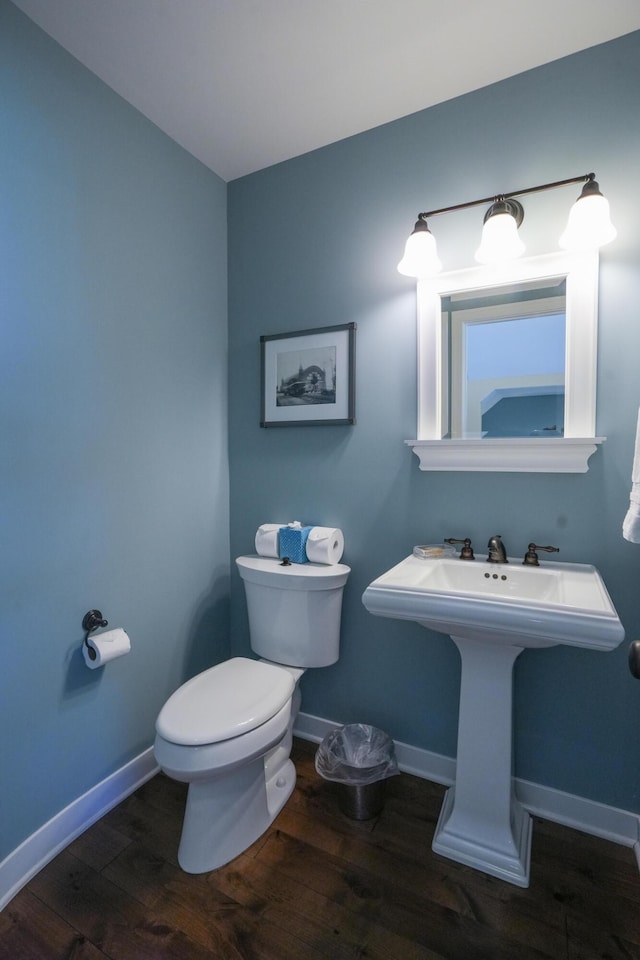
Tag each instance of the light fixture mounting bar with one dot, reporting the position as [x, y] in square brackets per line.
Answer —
[505, 196]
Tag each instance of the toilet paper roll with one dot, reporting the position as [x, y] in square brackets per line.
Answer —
[325, 545]
[267, 543]
[103, 647]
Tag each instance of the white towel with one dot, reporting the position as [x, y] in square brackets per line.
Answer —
[631, 523]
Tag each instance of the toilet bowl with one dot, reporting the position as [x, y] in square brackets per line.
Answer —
[228, 731]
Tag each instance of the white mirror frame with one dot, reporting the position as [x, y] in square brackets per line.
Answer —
[567, 454]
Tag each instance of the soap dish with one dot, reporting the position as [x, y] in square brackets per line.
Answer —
[434, 551]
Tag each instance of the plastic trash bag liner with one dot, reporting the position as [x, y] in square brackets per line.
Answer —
[356, 754]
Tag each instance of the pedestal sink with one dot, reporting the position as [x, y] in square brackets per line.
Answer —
[492, 612]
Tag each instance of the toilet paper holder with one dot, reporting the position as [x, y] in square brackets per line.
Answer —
[91, 621]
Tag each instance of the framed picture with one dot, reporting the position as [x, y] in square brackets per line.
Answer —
[308, 378]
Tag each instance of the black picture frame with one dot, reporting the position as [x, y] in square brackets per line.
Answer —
[308, 377]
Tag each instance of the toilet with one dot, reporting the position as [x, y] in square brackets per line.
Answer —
[227, 732]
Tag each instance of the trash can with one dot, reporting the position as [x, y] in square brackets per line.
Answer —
[360, 758]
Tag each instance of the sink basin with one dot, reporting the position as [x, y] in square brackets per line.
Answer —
[506, 602]
[493, 611]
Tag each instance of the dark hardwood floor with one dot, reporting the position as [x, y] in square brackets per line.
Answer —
[320, 885]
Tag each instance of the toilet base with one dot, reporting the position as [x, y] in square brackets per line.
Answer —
[225, 815]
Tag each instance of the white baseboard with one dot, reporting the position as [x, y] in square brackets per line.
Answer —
[619, 826]
[42, 846]
[598, 819]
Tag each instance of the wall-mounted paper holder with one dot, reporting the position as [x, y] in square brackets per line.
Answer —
[90, 622]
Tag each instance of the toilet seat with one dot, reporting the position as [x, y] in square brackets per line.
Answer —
[224, 702]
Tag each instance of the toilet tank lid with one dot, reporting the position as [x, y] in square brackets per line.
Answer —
[270, 572]
[224, 702]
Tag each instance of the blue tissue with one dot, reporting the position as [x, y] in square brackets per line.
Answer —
[293, 543]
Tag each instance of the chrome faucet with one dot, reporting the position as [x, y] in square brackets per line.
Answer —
[497, 551]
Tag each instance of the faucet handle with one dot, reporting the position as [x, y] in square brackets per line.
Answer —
[531, 556]
[467, 550]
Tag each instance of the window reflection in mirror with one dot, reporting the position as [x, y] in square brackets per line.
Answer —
[507, 360]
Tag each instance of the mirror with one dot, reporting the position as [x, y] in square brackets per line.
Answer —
[506, 360]
[507, 366]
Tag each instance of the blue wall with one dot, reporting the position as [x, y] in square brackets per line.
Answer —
[314, 242]
[113, 423]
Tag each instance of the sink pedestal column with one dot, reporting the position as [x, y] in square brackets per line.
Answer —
[482, 824]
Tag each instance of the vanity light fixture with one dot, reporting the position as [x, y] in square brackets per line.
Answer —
[589, 223]
[589, 227]
[420, 255]
[500, 240]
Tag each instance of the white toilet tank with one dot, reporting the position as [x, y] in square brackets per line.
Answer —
[294, 610]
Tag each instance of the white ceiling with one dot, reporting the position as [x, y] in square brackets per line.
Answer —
[243, 84]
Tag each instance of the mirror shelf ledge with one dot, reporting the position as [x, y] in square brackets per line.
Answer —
[515, 455]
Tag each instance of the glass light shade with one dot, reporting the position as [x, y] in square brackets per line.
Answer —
[500, 240]
[589, 225]
[420, 258]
